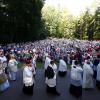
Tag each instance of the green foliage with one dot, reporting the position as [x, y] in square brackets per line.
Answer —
[97, 24]
[40, 65]
[60, 23]
[20, 20]
[88, 25]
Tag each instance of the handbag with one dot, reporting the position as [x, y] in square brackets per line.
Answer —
[7, 70]
[3, 78]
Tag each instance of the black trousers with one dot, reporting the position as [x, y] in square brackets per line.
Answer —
[98, 84]
[45, 72]
[62, 74]
[95, 74]
[75, 90]
[28, 90]
[51, 90]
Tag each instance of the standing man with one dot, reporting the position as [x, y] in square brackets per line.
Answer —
[12, 64]
[28, 78]
[76, 80]
[87, 75]
[47, 62]
[62, 67]
[51, 79]
[95, 64]
[98, 76]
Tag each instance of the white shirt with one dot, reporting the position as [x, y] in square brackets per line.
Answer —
[87, 76]
[76, 73]
[28, 79]
[47, 62]
[13, 65]
[55, 68]
[62, 65]
[3, 59]
[73, 62]
[34, 66]
[34, 63]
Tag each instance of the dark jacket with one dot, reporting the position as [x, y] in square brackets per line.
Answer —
[49, 73]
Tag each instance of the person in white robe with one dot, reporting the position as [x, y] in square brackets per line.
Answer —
[87, 76]
[68, 58]
[98, 76]
[51, 79]
[55, 68]
[73, 63]
[47, 62]
[76, 80]
[28, 78]
[12, 64]
[34, 65]
[62, 67]
[3, 57]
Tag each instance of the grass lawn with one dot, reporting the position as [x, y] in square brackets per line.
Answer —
[40, 65]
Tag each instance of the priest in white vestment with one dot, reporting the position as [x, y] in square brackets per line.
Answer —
[87, 76]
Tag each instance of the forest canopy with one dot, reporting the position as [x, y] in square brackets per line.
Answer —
[30, 20]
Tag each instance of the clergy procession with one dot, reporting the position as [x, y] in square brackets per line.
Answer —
[80, 58]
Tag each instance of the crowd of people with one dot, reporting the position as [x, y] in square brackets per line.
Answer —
[82, 55]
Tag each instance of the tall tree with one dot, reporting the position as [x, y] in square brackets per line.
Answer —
[77, 32]
[20, 20]
[97, 23]
[58, 21]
